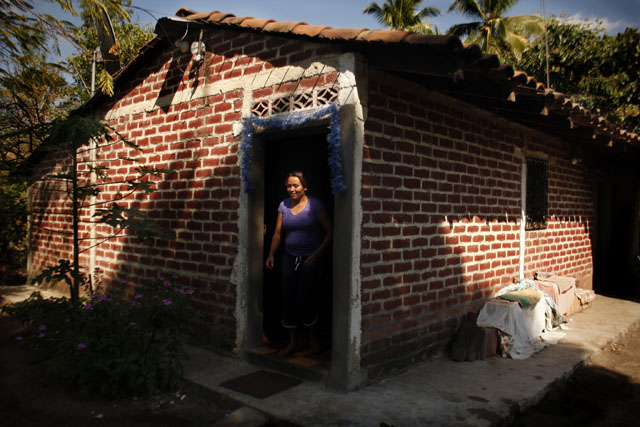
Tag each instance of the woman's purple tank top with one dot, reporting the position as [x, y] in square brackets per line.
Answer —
[304, 233]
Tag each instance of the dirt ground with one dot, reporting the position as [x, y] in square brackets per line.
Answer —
[606, 392]
[32, 395]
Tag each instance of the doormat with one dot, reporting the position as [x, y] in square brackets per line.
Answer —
[261, 384]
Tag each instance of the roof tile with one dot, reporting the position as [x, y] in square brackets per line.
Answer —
[388, 36]
[219, 16]
[341, 33]
[282, 26]
[235, 20]
[258, 24]
[470, 54]
[184, 12]
[472, 50]
[449, 42]
[199, 16]
[309, 30]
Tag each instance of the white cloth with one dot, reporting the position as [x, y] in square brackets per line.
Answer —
[525, 325]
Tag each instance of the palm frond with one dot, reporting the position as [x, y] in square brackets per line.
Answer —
[463, 30]
[470, 8]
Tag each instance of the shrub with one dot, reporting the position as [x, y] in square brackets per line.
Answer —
[112, 346]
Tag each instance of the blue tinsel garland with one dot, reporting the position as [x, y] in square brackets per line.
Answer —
[333, 142]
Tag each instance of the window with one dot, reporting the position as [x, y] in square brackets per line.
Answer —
[537, 186]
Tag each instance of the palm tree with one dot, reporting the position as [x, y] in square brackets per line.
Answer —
[402, 14]
[494, 32]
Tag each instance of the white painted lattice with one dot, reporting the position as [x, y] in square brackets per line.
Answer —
[295, 102]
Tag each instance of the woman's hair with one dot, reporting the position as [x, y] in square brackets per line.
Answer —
[299, 175]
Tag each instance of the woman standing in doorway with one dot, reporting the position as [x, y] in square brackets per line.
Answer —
[307, 231]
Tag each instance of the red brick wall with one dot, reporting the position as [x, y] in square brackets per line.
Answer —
[195, 138]
[440, 195]
[441, 208]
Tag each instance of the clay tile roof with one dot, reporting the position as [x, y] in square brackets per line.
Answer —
[218, 16]
[485, 69]
[282, 27]
[182, 12]
[473, 49]
[520, 77]
[308, 30]
[341, 33]
[506, 68]
[200, 16]
[388, 36]
[489, 61]
[234, 20]
[257, 24]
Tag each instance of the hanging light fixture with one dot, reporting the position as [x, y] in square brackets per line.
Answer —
[197, 49]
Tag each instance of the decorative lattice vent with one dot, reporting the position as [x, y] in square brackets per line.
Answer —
[301, 101]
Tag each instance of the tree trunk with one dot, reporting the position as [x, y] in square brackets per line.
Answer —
[75, 287]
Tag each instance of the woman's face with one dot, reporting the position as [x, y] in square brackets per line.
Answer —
[294, 188]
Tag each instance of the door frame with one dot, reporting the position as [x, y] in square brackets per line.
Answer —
[345, 372]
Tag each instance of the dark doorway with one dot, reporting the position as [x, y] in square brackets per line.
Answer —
[304, 150]
[617, 269]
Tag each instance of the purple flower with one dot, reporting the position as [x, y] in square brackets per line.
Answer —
[57, 332]
[67, 319]
[167, 301]
[19, 338]
[167, 283]
[81, 346]
[87, 306]
[41, 335]
[138, 296]
[92, 296]
[189, 291]
[102, 298]
[42, 328]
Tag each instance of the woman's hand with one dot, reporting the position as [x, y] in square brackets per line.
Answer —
[275, 242]
[269, 262]
[311, 260]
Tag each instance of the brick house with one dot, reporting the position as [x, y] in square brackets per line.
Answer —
[446, 173]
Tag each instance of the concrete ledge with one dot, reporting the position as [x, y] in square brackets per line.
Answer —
[439, 392]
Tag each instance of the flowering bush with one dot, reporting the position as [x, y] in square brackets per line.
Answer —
[112, 346]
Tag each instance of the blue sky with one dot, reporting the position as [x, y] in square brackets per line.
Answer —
[615, 14]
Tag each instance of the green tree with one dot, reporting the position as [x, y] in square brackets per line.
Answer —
[494, 32]
[23, 28]
[82, 182]
[130, 38]
[402, 15]
[598, 71]
[33, 94]
[13, 244]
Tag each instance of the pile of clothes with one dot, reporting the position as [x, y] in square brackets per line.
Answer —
[522, 319]
[526, 318]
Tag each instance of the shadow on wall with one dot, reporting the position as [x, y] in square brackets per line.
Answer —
[418, 289]
[200, 203]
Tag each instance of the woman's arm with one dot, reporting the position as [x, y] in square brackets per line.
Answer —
[275, 242]
[324, 220]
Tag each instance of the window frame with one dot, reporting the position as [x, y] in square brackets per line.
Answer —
[537, 193]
